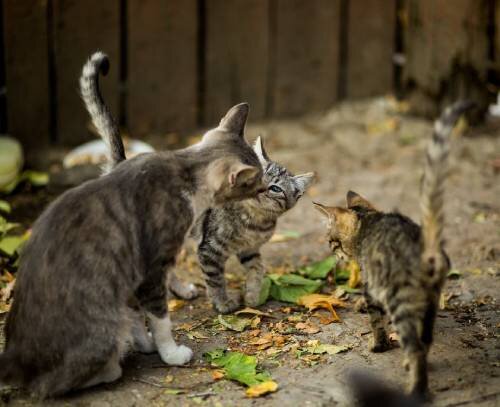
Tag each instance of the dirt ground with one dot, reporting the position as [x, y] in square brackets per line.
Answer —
[366, 147]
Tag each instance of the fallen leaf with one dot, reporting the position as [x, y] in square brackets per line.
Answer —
[237, 366]
[307, 327]
[196, 335]
[5, 206]
[315, 301]
[217, 374]
[284, 236]
[234, 322]
[315, 347]
[253, 311]
[290, 287]
[261, 389]
[168, 379]
[319, 269]
[175, 304]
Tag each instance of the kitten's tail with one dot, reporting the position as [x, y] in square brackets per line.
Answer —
[432, 187]
[99, 112]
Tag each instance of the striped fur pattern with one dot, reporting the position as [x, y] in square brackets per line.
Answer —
[403, 265]
[99, 255]
[99, 113]
[241, 228]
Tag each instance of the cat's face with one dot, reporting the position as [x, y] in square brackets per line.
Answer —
[343, 223]
[237, 173]
[283, 189]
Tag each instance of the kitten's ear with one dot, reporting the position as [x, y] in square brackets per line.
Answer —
[235, 119]
[260, 151]
[328, 211]
[354, 199]
[304, 181]
[240, 173]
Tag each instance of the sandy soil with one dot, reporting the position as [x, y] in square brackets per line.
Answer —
[366, 147]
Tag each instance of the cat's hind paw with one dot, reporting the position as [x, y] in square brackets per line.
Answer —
[175, 356]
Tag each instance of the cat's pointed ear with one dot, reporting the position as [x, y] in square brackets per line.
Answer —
[235, 119]
[258, 147]
[353, 199]
[240, 173]
[328, 211]
[304, 181]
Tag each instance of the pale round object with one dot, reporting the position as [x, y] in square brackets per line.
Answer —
[11, 159]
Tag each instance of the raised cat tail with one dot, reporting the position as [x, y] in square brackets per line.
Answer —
[99, 112]
[432, 188]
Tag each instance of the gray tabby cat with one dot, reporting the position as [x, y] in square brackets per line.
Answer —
[241, 228]
[102, 250]
[404, 266]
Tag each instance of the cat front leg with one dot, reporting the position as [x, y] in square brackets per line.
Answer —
[255, 274]
[143, 340]
[212, 263]
[152, 295]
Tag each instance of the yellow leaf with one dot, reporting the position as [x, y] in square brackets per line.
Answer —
[260, 389]
[248, 310]
[174, 305]
[307, 327]
[354, 274]
[217, 374]
[315, 301]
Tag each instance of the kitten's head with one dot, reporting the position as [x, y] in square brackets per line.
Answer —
[235, 172]
[283, 189]
[343, 223]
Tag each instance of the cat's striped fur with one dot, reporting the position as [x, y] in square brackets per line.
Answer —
[241, 228]
[99, 113]
[404, 266]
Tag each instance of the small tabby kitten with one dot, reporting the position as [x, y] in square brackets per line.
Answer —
[404, 266]
[241, 228]
[102, 250]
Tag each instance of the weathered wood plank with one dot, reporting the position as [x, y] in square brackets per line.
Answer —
[26, 71]
[80, 28]
[162, 66]
[370, 47]
[304, 55]
[236, 57]
[446, 50]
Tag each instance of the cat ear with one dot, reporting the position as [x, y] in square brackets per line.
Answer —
[235, 119]
[328, 211]
[354, 199]
[260, 151]
[304, 181]
[240, 174]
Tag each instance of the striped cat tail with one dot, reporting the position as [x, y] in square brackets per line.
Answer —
[98, 111]
[432, 187]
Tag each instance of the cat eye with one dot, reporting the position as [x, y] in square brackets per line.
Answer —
[275, 188]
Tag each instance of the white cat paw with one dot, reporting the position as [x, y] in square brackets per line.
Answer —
[175, 355]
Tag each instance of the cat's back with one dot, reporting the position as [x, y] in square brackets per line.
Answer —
[390, 241]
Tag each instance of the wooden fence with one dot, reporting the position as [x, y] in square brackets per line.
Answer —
[179, 64]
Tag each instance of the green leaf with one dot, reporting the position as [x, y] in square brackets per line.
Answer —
[5, 206]
[36, 178]
[341, 276]
[6, 226]
[264, 290]
[237, 366]
[320, 269]
[290, 287]
[11, 244]
[234, 322]
[350, 290]
[7, 189]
